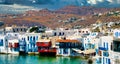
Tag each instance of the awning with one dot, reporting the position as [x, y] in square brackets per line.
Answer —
[89, 51]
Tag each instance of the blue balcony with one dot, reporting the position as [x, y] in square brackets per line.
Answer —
[105, 47]
[102, 48]
[106, 54]
[22, 43]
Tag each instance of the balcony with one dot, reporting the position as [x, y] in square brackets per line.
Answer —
[43, 44]
[106, 54]
[22, 43]
[102, 48]
[47, 50]
[16, 45]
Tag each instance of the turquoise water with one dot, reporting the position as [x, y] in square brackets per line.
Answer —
[36, 59]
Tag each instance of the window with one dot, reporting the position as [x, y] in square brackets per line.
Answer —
[31, 38]
[24, 39]
[24, 30]
[106, 60]
[109, 61]
[15, 34]
[21, 29]
[63, 33]
[79, 31]
[17, 29]
[60, 34]
[83, 31]
[65, 51]
[86, 31]
[55, 34]
[106, 45]
[60, 51]
[13, 30]
[116, 34]
[34, 38]
[100, 60]
[57, 44]
[1, 42]
[16, 49]
[116, 46]
[28, 38]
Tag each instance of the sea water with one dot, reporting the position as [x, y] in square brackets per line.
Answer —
[36, 59]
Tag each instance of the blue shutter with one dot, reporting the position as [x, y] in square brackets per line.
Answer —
[28, 38]
[116, 34]
[103, 60]
[24, 39]
[104, 44]
[31, 39]
[36, 37]
[107, 46]
[1, 42]
[108, 61]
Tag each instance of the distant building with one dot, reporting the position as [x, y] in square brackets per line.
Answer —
[67, 32]
[61, 32]
[15, 29]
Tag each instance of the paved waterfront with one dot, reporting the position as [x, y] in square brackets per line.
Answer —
[35, 59]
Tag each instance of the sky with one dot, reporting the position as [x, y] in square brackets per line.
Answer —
[54, 4]
[61, 3]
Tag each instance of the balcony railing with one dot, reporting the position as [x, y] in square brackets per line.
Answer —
[102, 48]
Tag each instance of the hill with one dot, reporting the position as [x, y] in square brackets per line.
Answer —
[68, 16]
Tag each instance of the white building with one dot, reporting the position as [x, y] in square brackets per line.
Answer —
[15, 42]
[15, 29]
[104, 50]
[2, 44]
[31, 39]
[13, 46]
[67, 32]
[115, 57]
[116, 33]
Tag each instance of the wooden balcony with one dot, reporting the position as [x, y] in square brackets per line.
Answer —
[43, 44]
